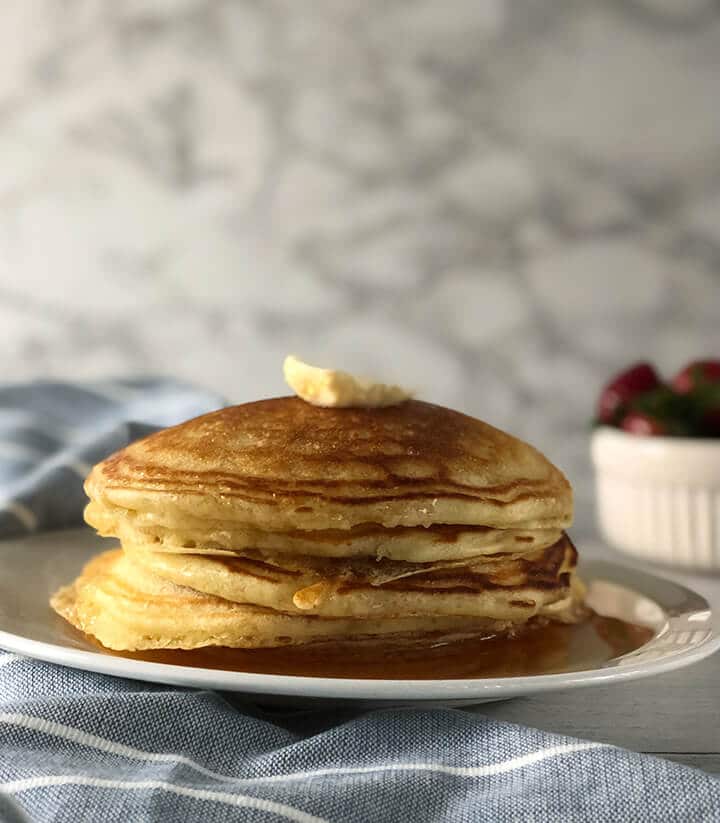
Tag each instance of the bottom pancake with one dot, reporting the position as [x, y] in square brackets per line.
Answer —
[127, 608]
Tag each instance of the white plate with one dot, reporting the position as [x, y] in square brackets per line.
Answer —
[685, 631]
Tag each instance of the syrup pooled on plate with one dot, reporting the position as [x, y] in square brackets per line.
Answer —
[550, 649]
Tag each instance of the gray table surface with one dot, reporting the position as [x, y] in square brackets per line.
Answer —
[674, 715]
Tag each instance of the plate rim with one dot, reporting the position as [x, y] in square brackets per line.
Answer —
[441, 690]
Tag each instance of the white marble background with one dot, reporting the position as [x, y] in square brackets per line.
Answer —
[497, 203]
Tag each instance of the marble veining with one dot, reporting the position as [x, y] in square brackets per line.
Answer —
[494, 203]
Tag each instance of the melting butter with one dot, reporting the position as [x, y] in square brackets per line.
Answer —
[332, 388]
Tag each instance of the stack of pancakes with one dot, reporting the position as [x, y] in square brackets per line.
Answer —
[279, 522]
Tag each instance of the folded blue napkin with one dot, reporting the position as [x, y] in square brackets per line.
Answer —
[77, 746]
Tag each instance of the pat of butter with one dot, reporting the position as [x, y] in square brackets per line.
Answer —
[332, 388]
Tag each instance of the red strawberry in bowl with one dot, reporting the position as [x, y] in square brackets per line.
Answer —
[637, 422]
[657, 462]
[695, 374]
[623, 388]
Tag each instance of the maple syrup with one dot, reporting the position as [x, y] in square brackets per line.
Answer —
[550, 649]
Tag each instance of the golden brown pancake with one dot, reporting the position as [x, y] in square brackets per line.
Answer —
[127, 608]
[512, 587]
[283, 464]
[416, 544]
[278, 522]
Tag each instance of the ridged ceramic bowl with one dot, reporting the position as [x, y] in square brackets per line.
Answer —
[659, 497]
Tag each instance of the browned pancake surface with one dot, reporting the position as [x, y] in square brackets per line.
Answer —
[503, 586]
[285, 463]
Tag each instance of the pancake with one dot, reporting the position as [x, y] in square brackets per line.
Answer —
[127, 608]
[511, 587]
[415, 544]
[280, 523]
[283, 464]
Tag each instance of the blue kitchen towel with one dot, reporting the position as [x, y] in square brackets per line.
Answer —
[77, 746]
[51, 434]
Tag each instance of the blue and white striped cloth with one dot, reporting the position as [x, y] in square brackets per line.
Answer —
[77, 746]
[51, 434]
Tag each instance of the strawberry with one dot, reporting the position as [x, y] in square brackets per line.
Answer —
[637, 422]
[699, 383]
[623, 388]
[697, 373]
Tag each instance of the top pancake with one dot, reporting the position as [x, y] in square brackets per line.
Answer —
[284, 464]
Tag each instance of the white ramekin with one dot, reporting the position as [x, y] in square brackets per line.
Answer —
[659, 497]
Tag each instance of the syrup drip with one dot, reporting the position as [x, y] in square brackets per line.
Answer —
[550, 649]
